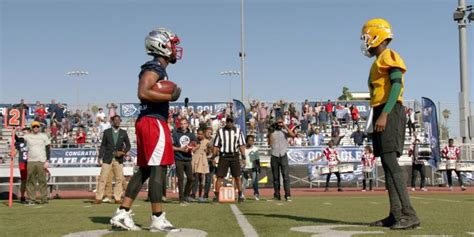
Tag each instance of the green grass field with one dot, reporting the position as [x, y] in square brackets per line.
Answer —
[441, 214]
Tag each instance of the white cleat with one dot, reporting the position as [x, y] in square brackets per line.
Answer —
[160, 224]
[123, 219]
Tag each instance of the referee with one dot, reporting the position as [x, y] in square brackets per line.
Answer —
[229, 140]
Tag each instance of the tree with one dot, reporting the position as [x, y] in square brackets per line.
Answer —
[346, 94]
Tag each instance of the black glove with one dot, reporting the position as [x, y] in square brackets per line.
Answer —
[176, 93]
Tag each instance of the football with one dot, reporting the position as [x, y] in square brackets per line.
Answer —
[164, 87]
[191, 146]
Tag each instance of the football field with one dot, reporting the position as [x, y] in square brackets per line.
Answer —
[315, 215]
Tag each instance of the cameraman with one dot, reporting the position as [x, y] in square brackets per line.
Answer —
[278, 141]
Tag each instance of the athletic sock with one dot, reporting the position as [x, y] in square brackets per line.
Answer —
[124, 208]
[157, 214]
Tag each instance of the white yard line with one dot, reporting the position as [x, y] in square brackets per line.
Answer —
[436, 199]
[246, 227]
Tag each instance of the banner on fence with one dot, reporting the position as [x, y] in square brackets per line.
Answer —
[306, 155]
[133, 109]
[82, 157]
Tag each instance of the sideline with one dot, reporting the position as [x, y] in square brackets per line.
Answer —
[436, 199]
[247, 229]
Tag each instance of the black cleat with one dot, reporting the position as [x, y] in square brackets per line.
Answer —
[386, 222]
[406, 224]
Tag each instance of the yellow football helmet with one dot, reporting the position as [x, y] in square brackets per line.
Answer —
[374, 32]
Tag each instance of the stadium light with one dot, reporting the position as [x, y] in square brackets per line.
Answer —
[230, 73]
[77, 74]
[471, 16]
[458, 15]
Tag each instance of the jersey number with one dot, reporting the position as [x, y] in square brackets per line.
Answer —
[14, 117]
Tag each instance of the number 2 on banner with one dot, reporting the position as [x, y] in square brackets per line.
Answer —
[14, 117]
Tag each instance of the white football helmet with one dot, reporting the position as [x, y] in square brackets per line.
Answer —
[163, 42]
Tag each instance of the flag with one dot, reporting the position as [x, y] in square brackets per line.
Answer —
[239, 116]
[430, 124]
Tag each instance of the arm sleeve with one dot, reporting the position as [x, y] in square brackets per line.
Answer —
[396, 88]
[127, 143]
[48, 152]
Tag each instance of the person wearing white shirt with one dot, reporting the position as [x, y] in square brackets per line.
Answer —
[100, 116]
[252, 167]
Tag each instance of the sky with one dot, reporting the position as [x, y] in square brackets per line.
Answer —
[296, 49]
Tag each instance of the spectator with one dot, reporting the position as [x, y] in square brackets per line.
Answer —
[211, 176]
[358, 137]
[40, 113]
[58, 115]
[22, 105]
[368, 163]
[330, 109]
[38, 157]
[292, 111]
[332, 158]
[323, 118]
[100, 116]
[355, 116]
[262, 121]
[278, 142]
[452, 153]
[112, 111]
[335, 132]
[183, 138]
[115, 145]
[411, 121]
[417, 165]
[200, 163]
[95, 136]
[21, 149]
[316, 138]
[252, 167]
[54, 133]
[51, 108]
[80, 137]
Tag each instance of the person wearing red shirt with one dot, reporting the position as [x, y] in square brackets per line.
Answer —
[368, 164]
[355, 116]
[80, 137]
[333, 160]
[329, 109]
[451, 152]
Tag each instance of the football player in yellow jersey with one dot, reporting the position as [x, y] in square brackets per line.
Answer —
[386, 82]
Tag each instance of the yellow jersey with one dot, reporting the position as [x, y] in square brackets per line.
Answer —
[379, 79]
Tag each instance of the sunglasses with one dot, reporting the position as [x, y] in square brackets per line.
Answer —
[35, 126]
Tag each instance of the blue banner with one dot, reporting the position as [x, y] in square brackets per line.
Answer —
[306, 155]
[430, 125]
[239, 115]
[133, 109]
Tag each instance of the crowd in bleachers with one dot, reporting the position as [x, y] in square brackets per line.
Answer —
[314, 123]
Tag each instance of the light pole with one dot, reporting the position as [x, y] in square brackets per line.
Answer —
[242, 50]
[77, 74]
[230, 74]
[463, 19]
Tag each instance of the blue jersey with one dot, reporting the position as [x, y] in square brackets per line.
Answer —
[153, 109]
[22, 149]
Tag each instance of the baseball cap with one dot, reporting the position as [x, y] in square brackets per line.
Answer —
[35, 123]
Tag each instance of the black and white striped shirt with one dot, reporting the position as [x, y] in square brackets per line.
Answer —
[229, 140]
